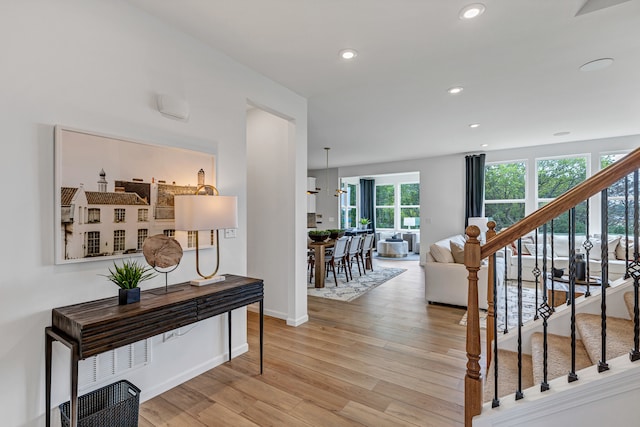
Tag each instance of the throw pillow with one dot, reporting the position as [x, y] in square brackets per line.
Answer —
[531, 248]
[440, 253]
[621, 249]
[457, 250]
[596, 252]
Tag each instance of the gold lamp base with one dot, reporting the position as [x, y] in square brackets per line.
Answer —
[209, 281]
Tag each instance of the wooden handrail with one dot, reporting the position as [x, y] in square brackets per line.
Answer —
[474, 253]
[598, 182]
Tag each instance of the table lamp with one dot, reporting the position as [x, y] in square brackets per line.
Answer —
[202, 212]
[481, 223]
[409, 222]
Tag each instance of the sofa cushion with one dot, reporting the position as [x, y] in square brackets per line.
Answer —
[457, 250]
[440, 253]
[621, 249]
[531, 248]
[596, 252]
[561, 244]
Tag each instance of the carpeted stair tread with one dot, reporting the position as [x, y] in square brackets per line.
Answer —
[628, 301]
[558, 356]
[508, 374]
[619, 335]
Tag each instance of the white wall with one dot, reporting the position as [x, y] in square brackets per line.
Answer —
[97, 65]
[272, 241]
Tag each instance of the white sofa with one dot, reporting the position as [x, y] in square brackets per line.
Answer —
[446, 281]
[616, 254]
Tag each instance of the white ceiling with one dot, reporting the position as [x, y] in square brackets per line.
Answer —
[518, 62]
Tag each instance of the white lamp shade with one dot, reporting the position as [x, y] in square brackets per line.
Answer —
[480, 222]
[409, 222]
[200, 212]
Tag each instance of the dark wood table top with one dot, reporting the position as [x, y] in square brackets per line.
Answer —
[103, 324]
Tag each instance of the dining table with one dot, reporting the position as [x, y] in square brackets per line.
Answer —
[319, 256]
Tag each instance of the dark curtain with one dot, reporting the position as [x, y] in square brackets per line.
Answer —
[474, 187]
[367, 201]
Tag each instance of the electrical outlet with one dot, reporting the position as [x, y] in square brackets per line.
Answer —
[229, 233]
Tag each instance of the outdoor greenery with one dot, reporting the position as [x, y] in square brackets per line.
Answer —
[616, 205]
[505, 192]
[385, 206]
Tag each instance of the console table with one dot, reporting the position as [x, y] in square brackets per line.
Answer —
[97, 326]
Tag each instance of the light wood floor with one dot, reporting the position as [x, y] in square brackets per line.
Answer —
[385, 359]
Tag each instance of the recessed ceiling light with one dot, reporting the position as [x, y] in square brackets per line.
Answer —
[474, 125]
[563, 133]
[455, 90]
[597, 64]
[472, 11]
[348, 54]
[484, 145]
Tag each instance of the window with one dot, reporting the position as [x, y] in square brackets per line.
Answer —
[93, 243]
[505, 192]
[93, 215]
[142, 235]
[143, 215]
[169, 233]
[118, 215]
[118, 240]
[349, 207]
[555, 177]
[615, 199]
[409, 205]
[385, 206]
[191, 239]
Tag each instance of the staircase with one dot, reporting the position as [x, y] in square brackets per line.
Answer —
[588, 350]
[554, 370]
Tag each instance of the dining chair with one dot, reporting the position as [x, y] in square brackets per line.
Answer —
[367, 252]
[354, 253]
[311, 263]
[338, 258]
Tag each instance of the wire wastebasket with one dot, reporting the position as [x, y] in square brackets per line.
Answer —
[115, 405]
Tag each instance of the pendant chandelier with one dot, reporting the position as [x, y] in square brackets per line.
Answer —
[338, 191]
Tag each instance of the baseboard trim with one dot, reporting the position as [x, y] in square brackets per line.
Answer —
[185, 376]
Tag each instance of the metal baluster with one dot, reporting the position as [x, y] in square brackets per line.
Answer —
[545, 312]
[496, 401]
[506, 289]
[553, 286]
[633, 268]
[604, 263]
[536, 274]
[626, 225]
[519, 394]
[587, 245]
[572, 291]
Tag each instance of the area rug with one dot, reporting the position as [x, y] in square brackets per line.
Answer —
[528, 307]
[355, 288]
[410, 257]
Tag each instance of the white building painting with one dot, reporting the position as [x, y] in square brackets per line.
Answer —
[107, 223]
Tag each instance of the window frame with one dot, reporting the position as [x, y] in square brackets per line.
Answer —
[119, 240]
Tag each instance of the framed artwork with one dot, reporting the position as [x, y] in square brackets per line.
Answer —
[112, 193]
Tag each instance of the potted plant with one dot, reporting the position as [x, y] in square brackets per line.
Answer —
[336, 233]
[364, 223]
[319, 235]
[128, 277]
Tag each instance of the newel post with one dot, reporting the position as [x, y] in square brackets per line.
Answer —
[491, 312]
[473, 378]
